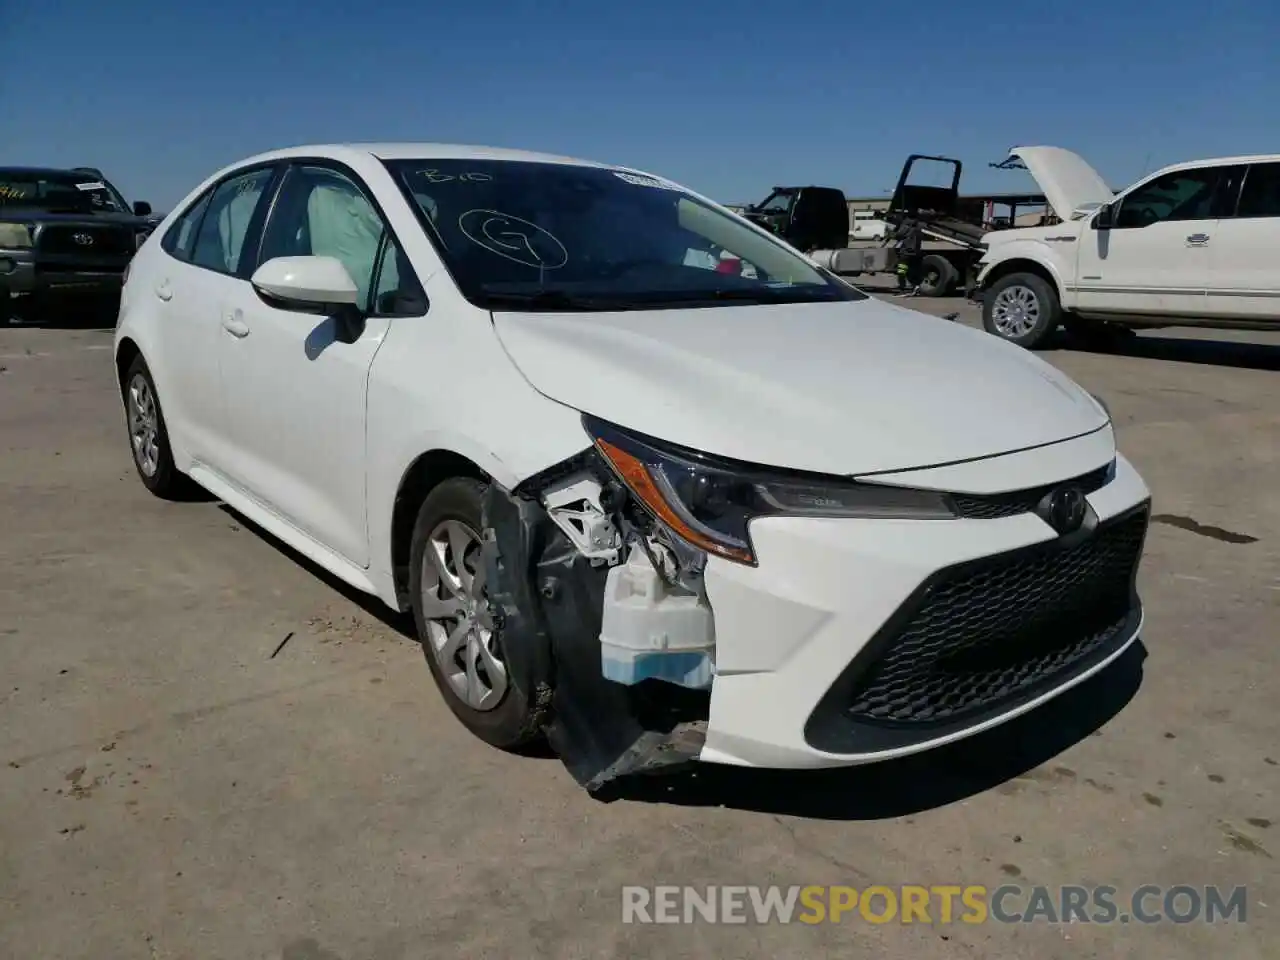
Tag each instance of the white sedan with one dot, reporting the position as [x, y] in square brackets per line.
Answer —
[649, 507]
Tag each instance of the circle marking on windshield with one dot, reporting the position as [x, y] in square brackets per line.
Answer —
[513, 238]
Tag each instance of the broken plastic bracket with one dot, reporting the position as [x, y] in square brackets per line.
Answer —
[550, 600]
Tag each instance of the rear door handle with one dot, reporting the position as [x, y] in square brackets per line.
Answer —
[234, 324]
[164, 291]
[1198, 239]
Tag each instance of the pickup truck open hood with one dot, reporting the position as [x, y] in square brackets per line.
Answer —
[1067, 181]
[840, 388]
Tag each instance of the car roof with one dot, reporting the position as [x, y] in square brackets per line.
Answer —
[41, 171]
[417, 151]
[1222, 162]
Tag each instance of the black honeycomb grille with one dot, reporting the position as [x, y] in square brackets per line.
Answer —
[990, 631]
[994, 506]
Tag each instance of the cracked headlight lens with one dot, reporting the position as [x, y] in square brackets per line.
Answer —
[710, 502]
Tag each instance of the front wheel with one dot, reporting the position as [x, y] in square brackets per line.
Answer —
[461, 637]
[1022, 308]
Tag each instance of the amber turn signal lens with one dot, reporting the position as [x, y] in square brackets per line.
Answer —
[635, 474]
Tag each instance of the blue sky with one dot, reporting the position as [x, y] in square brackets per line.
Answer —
[727, 98]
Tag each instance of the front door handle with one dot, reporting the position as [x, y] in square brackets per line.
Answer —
[164, 291]
[1198, 239]
[234, 324]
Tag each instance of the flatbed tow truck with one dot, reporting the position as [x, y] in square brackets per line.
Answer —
[933, 230]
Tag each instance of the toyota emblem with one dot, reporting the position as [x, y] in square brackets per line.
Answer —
[83, 239]
[1064, 509]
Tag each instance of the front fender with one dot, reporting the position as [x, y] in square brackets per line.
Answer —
[1048, 256]
[522, 438]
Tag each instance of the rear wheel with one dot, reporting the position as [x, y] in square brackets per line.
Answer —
[937, 276]
[149, 437]
[1022, 308]
[460, 637]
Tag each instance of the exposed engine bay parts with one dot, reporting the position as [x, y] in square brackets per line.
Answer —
[587, 588]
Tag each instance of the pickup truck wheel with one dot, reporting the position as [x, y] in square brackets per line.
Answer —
[938, 276]
[460, 638]
[1022, 308]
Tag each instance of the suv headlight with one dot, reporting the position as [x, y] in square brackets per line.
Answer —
[15, 236]
[710, 502]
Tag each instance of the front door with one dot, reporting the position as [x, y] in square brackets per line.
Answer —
[295, 383]
[1155, 257]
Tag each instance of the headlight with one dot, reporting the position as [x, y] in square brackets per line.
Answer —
[15, 236]
[710, 502]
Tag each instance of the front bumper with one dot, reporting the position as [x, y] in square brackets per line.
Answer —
[855, 641]
[22, 272]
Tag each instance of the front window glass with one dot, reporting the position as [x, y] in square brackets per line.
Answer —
[321, 213]
[563, 236]
[57, 191]
[1181, 195]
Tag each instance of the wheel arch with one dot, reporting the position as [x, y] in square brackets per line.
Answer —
[423, 475]
[127, 350]
[1024, 264]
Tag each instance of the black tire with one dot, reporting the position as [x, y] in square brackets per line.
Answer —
[1039, 295]
[513, 722]
[164, 481]
[937, 276]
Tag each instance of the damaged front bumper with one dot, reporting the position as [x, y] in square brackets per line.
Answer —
[847, 641]
[548, 583]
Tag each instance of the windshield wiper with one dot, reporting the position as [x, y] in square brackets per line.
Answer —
[787, 294]
[551, 300]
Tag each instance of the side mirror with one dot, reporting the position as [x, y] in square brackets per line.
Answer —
[1104, 218]
[310, 284]
[141, 208]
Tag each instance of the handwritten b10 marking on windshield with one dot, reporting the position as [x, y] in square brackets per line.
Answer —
[515, 239]
[435, 176]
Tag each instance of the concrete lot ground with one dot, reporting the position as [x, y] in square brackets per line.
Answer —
[170, 789]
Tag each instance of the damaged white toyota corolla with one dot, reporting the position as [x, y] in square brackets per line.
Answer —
[651, 483]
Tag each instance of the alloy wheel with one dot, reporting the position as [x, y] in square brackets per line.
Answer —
[144, 425]
[1016, 311]
[460, 625]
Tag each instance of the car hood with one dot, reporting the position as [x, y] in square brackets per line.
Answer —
[841, 388]
[1067, 181]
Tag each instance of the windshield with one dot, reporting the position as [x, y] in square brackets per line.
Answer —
[557, 236]
[57, 191]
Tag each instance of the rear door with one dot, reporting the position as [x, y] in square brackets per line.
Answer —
[1155, 257]
[1244, 282]
[201, 253]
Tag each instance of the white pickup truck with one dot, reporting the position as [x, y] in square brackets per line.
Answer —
[1194, 244]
